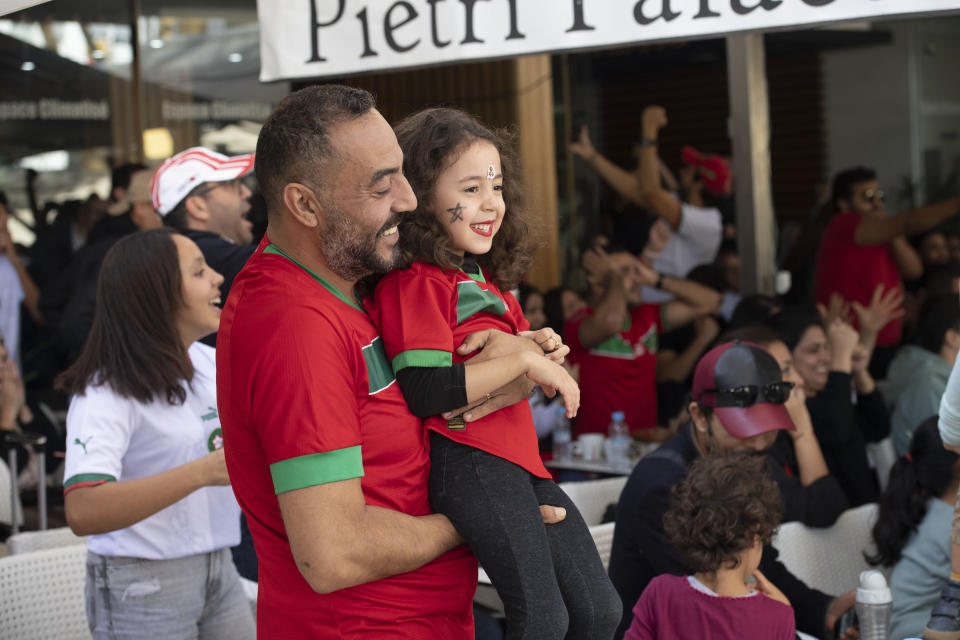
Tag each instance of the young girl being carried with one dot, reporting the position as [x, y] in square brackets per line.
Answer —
[462, 250]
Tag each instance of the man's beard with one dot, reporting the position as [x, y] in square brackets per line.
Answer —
[350, 250]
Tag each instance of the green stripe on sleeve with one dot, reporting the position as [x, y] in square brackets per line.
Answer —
[317, 468]
[422, 358]
[379, 373]
[82, 478]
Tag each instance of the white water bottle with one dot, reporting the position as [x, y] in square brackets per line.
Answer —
[562, 447]
[618, 443]
[874, 604]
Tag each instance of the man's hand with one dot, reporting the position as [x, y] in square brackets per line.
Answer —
[839, 606]
[550, 341]
[597, 264]
[660, 234]
[552, 515]
[648, 276]
[583, 147]
[492, 344]
[653, 119]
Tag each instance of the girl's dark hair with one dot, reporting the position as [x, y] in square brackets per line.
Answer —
[432, 140]
[716, 512]
[134, 345]
[926, 472]
[793, 322]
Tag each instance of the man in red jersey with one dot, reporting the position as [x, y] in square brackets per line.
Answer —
[863, 247]
[323, 454]
[615, 341]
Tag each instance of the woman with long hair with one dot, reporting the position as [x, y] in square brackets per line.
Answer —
[912, 533]
[145, 476]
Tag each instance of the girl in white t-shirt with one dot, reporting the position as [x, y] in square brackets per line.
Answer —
[145, 477]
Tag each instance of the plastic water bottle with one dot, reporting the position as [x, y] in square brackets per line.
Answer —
[562, 447]
[874, 604]
[618, 449]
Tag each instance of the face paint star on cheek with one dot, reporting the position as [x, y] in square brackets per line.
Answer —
[456, 213]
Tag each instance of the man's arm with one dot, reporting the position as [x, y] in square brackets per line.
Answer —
[663, 203]
[906, 258]
[611, 311]
[691, 301]
[881, 229]
[339, 541]
[620, 180]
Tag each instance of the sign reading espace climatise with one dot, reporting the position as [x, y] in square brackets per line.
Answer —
[323, 38]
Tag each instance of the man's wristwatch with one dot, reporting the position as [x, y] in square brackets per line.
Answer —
[647, 142]
[659, 284]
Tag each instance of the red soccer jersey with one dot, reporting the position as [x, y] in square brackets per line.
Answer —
[619, 374]
[424, 314]
[306, 397]
[854, 272]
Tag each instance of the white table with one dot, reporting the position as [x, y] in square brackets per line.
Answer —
[577, 464]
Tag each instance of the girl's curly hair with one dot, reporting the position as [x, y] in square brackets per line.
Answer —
[432, 140]
[726, 500]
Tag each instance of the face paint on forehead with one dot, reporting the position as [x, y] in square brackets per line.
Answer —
[491, 172]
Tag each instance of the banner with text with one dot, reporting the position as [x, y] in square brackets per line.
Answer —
[323, 38]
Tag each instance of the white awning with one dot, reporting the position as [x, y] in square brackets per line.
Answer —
[10, 6]
[324, 38]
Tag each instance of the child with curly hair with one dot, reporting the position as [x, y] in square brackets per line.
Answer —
[721, 515]
[461, 251]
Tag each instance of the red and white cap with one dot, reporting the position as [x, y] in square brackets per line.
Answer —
[182, 173]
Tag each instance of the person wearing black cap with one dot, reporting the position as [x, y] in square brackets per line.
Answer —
[737, 405]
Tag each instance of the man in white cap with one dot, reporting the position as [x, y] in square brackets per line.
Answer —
[199, 193]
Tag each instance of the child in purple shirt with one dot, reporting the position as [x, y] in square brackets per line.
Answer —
[721, 515]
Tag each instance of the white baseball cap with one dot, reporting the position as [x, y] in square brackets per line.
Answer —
[182, 173]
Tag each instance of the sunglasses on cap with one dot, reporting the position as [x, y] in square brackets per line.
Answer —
[748, 394]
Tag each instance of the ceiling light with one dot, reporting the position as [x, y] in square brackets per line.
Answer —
[235, 57]
[27, 65]
[156, 43]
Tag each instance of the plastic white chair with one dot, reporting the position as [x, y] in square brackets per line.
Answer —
[593, 496]
[6, 516]
[829, 559]
[41, 595]
[27, 541]
[603, 538]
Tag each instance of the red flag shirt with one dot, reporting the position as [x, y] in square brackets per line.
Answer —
[619, 374]
[307, 397]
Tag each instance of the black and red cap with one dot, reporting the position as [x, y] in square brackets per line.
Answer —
[743, 384]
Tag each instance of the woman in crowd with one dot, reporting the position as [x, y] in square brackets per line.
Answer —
[559, 305]
[912, 533]
[810, 494]
[145, 473]
[833, 364]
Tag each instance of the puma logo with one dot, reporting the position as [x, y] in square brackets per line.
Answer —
[83, 443]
